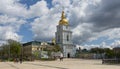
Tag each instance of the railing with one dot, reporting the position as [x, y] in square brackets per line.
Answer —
[111, 61]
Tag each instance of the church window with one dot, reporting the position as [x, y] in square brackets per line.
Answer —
[67, 37]
[66, 27]
[37, 48]
[58, 38]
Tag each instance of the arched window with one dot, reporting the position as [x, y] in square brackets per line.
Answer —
[58, 38]
[67, 37]
[37, 48]
[66, 27]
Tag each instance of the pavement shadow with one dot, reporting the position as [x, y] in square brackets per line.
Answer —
[47, 66]
[98, 64]
[106, 64]
[12, 66]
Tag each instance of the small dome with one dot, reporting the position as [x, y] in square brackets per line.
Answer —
[54, 40]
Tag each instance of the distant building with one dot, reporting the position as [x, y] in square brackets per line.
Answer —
[116, 49]
[30, 48]
[64, 37]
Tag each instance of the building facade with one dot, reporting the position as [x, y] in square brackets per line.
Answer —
[35, 48]
[64, 37]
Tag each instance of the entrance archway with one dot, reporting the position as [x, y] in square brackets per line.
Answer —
[68, 55]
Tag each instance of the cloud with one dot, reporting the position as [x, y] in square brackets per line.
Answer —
[7, 32]
[102, 45]
[116, 43]
[38, 9]
[12, 8]
[9, 20]
[61, 3]
[89, 19]
[105, 16]
[44, 27]
[9, 26]
[11, 13]
[101, 20]
[14, 14]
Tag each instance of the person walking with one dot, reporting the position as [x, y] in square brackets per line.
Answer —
[61, 57]
[20, 60]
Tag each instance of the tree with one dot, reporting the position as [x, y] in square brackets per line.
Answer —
[109, 53]
[78, 50]
[57, 48]
[15, 48]
[4, 51]
[85, 50]
[97, 50]
[10, 50]
[36, 54]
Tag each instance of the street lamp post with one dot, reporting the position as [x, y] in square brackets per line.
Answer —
[9, 53]
[21, 51]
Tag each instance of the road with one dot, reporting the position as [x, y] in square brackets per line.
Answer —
[65, 64]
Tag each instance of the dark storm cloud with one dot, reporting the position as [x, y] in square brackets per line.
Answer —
[106, 15]
[81, 39]
[74, 19]
[103, 16]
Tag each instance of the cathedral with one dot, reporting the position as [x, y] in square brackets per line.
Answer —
[63, 37]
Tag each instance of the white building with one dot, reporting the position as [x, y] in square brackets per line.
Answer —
[64, 37]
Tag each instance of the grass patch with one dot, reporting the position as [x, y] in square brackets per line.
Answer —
[47, 59]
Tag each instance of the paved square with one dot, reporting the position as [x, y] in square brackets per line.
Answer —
[66, 64]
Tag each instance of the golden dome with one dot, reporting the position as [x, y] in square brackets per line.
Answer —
[63, 20]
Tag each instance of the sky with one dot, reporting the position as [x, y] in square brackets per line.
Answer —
[94, 23]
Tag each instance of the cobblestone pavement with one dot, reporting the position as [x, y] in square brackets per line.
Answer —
[65, 64]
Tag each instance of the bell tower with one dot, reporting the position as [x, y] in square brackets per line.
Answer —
[64, 37]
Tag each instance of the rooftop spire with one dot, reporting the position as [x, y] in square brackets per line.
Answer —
[63, 15]
[63, 20]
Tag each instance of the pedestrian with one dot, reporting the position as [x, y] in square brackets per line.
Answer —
[14, 60]
[61, 57]
[20, 60]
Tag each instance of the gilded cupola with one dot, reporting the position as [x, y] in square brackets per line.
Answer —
[63, 20]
